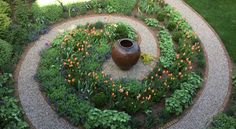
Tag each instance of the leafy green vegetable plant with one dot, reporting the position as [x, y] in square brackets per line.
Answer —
[107, 119]
[152, 22]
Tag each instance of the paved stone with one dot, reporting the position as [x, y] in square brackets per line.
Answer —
[36, 108]
[216, 88]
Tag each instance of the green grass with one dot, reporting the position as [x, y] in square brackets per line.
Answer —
[221, 15]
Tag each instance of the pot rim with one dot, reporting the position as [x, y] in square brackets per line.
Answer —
[130, 40]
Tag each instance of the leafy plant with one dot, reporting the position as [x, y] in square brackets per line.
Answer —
[182, 98]
[121, 6]
[99, 25]
[107, 119]
[146, 58]
[124, 31]
[10, 113]
[167, 48]
[99, 99]
[222, 121]
[50, 13]
[5, 8]
[5, 22]
[152, 22]
[5, 53]
[149, 6]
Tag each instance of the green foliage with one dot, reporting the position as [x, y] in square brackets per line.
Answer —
[121, 6]
[167, 48]
[152, 22]
[101, 6]
[150, 121]
[5, 53]
[99, 25]
[107, 119]
[149, 6]
[222, 121]
[11, 116]
[22, 25]
[171, 25]
[5, 22]
[83, 8]
[160, 15]
[182, 98]
[124, 31]
[146, 58]
[121, 31]
[100, 99]
[49, 14]
[177, 35]
[5, 8]
[22, 12]
[65, 101]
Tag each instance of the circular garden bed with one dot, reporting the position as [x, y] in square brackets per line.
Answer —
[72, 76]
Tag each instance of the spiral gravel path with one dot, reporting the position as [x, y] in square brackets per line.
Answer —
[212, 99]
[35, 106]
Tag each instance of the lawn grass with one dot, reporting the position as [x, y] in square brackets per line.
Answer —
[221, 15]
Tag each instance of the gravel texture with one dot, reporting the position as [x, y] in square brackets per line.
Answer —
[35, 106]
[216, 88]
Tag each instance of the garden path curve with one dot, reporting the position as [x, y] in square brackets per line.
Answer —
[38, 112]
[218, 84]
[211, 101]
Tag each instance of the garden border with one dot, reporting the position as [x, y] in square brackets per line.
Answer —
[173, 123]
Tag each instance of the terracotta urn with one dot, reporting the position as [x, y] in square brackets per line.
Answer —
[125, 53]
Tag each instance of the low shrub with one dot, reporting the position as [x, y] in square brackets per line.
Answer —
[171, 26]
[5, 53]
[121, 6]
[222, 121]
[50, 14]
[99, 25]
[182, 98]
[149, 6]
[177, 35]
[5, 22]
[4, 16]
[11, 116]
[107, 119]
[5, 8]
[122, 31]
[100, 6]
[160, 16]
[167, 48]
[100, 99]
[152, 22]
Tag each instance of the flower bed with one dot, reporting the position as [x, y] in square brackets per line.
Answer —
[71, 75]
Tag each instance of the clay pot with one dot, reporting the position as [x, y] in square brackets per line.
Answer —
[125, 53]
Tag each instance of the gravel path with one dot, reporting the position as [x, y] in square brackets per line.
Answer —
[36, 108]
[216, 89]
[208, 104]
